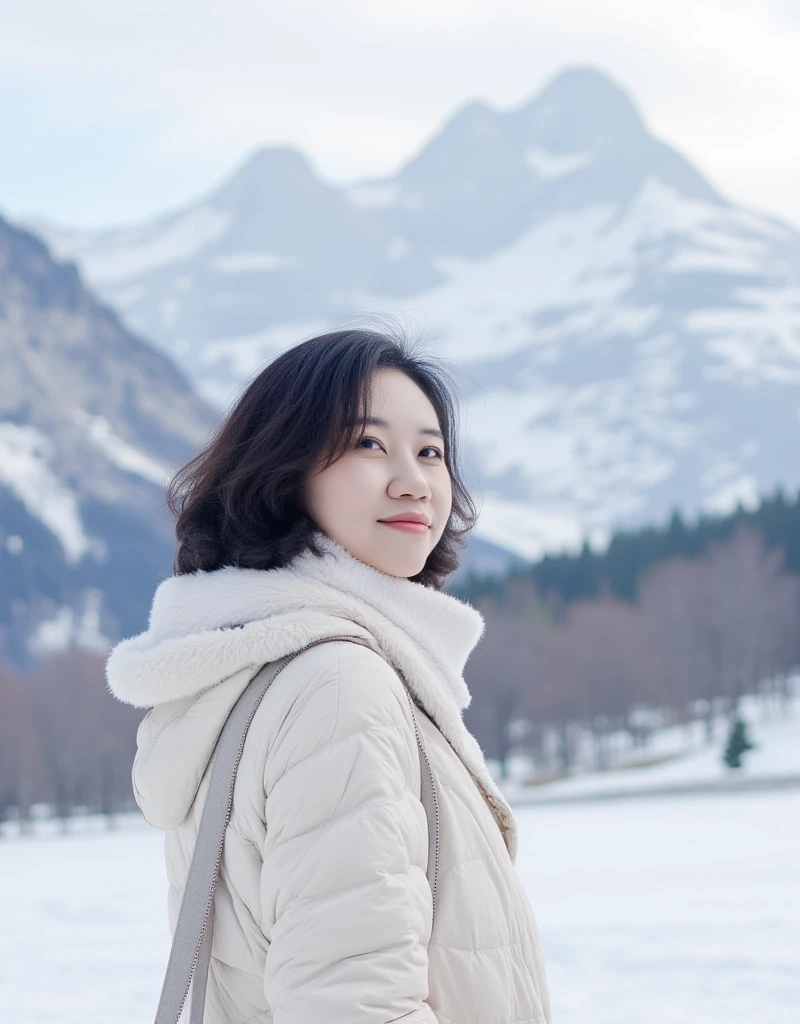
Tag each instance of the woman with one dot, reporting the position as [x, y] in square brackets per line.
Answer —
[323, 910]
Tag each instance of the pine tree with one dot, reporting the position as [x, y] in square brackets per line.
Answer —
[738, 744]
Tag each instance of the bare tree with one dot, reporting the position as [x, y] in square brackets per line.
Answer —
[19, 750]
[720, 624]
[603, 648]
[672, 607]
[503, 669]
[87, 738]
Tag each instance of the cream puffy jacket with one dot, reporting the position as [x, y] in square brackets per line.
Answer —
[323, 909]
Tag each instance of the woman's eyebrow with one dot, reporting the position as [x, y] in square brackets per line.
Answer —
[376, 421]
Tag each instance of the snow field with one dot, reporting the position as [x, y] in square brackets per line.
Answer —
[650, 911]
[653, 911]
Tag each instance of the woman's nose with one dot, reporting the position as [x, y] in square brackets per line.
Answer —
[411, 483]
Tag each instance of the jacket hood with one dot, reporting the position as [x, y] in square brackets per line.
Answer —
[205, 627]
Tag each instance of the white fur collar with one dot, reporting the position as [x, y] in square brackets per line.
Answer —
[206, 626]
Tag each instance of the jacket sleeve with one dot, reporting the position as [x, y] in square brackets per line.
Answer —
[346, 904]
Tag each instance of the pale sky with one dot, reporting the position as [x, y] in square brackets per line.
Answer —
[112, 112]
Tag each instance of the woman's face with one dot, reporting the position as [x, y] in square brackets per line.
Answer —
[396, 467]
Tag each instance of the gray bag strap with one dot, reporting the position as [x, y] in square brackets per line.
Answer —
[191, 943]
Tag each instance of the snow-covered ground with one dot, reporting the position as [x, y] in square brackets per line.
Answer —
[688, 758]
[83, 934]
[650, 912]
[677, 909]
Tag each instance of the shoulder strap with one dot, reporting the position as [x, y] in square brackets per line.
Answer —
[191, 944]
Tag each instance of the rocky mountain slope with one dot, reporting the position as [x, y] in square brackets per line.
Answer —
[92, 420]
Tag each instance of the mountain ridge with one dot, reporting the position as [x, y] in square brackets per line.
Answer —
[632, 335]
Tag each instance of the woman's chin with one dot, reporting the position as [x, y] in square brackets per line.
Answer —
[401, 567]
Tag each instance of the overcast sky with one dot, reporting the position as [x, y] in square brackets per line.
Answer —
[110, 112]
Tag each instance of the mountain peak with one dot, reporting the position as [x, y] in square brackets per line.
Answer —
[270, 169]
[269, 159]
[471, 117]
[474, 138]
[586, 85]
[580, 106]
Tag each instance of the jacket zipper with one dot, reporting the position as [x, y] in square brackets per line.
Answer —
[435, 837]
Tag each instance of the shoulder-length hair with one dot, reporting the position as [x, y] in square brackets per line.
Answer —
[240, 500]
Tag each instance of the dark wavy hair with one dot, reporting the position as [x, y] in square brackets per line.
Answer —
[240, 500]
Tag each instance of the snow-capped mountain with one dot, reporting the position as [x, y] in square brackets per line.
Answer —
[92, 420]
[632, 337]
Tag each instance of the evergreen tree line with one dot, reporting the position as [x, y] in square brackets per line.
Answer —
[630, 554]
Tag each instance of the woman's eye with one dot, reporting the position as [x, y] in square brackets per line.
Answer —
[367, 440]
[371, 440]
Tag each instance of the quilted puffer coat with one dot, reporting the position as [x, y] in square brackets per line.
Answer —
[323, 911]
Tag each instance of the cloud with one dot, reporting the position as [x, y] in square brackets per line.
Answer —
[126, 109]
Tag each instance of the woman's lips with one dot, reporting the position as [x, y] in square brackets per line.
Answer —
[407, 525]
